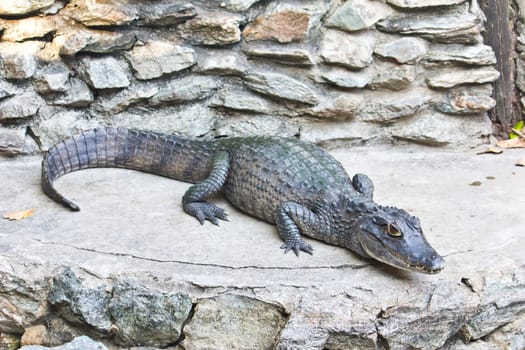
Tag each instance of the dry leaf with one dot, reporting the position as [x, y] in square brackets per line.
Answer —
[521, 162]
[20, 215]
[512, 143]
[475, 183]
[492, 150]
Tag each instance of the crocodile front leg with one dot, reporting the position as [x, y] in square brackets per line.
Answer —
[194, 200]
[291, 219]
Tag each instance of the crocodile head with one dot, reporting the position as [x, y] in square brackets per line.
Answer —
[394, 237]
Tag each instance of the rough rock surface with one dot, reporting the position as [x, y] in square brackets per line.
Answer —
[355, 15]
[279, 85]
[104, 73]
[22, 7]
[453, 76]
[213, 29]
[144, 253]
[215, 319]
[339, 73]
[352, 51]
[285, 26]
[457, 26]
[308, 64]
[18, 60]
[84, 343]
[157, 58]
[146, 317]
[404, 50]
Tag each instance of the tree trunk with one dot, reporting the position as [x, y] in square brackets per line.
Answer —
[500, 36]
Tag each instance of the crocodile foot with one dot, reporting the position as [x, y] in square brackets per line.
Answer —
[297, 246]
[206, 211]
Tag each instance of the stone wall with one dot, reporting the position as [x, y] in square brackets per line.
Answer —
[331, 72]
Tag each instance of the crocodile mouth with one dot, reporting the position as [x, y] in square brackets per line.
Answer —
[379, 251]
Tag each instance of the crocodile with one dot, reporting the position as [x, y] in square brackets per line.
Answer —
[295, 185]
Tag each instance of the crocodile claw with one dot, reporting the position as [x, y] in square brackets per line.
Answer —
[206, 211]
[297, 246]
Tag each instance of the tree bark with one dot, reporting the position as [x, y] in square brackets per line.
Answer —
[499, 35]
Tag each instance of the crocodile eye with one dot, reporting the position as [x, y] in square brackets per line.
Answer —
[393, 231]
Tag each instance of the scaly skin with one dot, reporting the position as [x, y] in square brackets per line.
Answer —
[295, 185]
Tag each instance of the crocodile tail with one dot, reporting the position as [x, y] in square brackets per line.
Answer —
[151, 152]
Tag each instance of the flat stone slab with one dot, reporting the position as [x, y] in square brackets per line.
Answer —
[132, 224]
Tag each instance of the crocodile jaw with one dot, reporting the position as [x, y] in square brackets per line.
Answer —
[426, 261]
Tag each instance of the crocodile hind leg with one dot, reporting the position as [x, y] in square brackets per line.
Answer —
[291, 219]
[194, 200]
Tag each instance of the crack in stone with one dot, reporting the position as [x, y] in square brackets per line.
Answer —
[243, 267]
[459, 252]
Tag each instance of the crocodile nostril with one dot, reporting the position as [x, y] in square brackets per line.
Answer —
[436, 263]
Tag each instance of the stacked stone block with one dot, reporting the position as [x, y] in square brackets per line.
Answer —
[331, 72]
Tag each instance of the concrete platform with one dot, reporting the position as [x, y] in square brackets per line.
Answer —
[132, 224]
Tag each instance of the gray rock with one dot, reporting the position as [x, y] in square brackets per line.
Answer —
[55, 332]
[423, 3]
[388, 111]
[520, 74]
[453, 76]
[12, 141]
[120, 13]
[344, 326]
[194, 120]
[510, 335]
[6, 89]
[241, 100]
[465, 101]
[20, 106]
[281, 86]
[281, 54]
[355, 15]
[392, 76]
[164, 13]
[104, 72]
[221, 62]
[53, 77]
[147, 317]
[19, 60]
[238, 5]
[217, 28]
[456, 25]
[341, 107]
[77, 94]
[435, 129]
[69, 41]
[349, 50]
[404, 50]
[233, 125]
[92, 13]
[22, 7]
[190, 88]
[468, 54]
[401, 330]
[80, 343]
[496, 308]
[345, 78]
[233, 322]
[56, 123]
[22, 298]
[326, 133]
[80, 304]
[28, 28]
[157, 58]
[122, 100]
